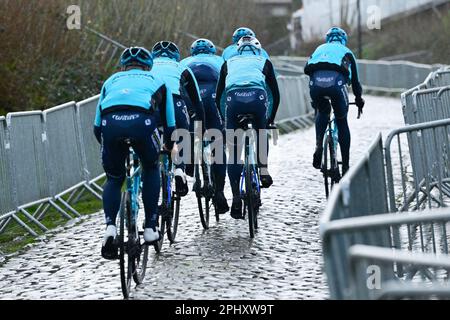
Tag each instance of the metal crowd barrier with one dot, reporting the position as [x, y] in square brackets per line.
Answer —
[45, 156]
[417, 167]
[418, 232]
[419, 172]
[428, 273]
[392, 77]
[295, 109]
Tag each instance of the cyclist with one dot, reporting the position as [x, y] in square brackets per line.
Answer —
[125, 110]
[331, 67]
[181, 82]
[243, 80]
[206, 65]
[232, 51]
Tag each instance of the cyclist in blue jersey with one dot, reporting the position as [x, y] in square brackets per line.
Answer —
[183, 85]
[205, 66]
[126, 110]
[232, 51]
[331, 67]
[243, 80]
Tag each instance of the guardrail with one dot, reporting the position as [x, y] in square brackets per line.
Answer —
[391, 77]
[416, 166]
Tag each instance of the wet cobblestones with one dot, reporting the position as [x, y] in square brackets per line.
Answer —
[284, 261]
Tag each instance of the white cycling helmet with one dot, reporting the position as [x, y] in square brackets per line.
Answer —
[249, 43]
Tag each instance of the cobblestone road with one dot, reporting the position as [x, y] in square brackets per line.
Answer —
[283, 262]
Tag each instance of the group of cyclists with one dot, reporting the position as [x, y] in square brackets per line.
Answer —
[156, 89]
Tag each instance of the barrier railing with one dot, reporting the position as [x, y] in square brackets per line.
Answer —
[379, 76]
[427, 277]
[295, 109]
[417, 173]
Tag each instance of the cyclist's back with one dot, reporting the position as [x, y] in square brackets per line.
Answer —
[126, 113]
[331, 67]
[243, 81]
[232, 50]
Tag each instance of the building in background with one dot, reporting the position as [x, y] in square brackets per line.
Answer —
[317, 16]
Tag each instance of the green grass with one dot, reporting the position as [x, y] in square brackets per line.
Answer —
[15, 238]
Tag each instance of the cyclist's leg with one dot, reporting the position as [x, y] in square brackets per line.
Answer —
[341, 105]
[114, 153]
[147, 144]
[214, 121]
[183, 122]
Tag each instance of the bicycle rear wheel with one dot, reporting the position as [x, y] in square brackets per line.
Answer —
[330, 166]
[250, 200]
[172, 218]
[125, 261]
[204, 192]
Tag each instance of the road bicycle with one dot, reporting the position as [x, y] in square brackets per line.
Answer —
[133, 251]
[331, 166]
[250, 186]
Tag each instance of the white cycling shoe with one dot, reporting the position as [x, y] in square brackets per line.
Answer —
[111, 232]
[181, 182]
[151, 235]
[109, 246]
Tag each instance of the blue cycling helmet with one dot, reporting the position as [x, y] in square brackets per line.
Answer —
[242, 32]
[136, 55]
[203, 46]
[337, 34]
[166, 49]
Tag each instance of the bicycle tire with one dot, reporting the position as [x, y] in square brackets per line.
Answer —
[172, 222]
[203, 208]
[124, 260]
[250, 199]
[325, 170]
[140, 261]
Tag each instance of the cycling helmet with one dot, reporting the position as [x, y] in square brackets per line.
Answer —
[166, 49]
[136, 55]
[203, 46]
[337, 34]
[249, 43]
[242, 32]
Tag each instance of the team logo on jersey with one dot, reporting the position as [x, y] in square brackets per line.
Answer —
[340, 83]
[214, 95]
[148, 122]
[104, 123]
[261, 97]
[229, 99]
[126, 118]
[125, 91]
[179, 104]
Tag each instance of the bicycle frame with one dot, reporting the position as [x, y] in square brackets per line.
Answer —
[250, 142]
[133, 182]
[332, 131]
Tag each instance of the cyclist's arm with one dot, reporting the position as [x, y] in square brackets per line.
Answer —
[192, 89]
[98, 117]
[164, 102]
[272, 82]
[221, 86]
[356, 85]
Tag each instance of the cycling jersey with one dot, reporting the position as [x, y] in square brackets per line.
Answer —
[136, 89]
[249, 71]
[335, 56]
[231, 51]
[180, 81]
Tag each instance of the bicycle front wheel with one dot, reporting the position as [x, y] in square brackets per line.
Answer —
[203, 200]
